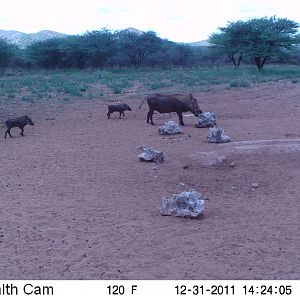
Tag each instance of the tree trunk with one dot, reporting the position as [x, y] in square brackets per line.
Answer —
[231, 57]
[264, 60]
[239, 61]
[260, 62]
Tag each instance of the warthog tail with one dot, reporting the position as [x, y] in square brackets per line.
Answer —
[142, 103]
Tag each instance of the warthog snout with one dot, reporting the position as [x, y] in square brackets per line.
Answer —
[199, 112]
[29, 122]
[195, 109]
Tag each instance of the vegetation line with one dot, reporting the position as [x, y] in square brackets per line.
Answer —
[32, 86]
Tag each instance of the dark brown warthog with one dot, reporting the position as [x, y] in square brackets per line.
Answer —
[119, 108]
[20, 122]
[166, 103]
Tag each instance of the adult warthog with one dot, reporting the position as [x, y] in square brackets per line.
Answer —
[167, 103]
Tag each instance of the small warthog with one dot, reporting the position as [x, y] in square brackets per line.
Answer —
[118, 107]
[20, 122]
[167, 103]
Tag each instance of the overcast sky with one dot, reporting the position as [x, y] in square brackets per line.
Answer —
[178, 21]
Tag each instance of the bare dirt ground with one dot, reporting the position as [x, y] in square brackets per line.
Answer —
[76, 203]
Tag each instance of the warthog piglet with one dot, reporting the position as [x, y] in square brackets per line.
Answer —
[20, 122]
[119, 108]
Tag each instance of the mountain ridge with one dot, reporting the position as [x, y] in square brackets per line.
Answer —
[23, 40]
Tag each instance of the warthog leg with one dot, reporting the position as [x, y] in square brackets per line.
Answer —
[180, 118]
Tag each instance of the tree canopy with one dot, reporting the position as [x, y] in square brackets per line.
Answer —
[256, 40]
[6, 51]
[98, 49]
[259, 39]
[138, 46]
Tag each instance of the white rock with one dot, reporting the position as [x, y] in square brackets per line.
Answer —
[217, 135]
[206, 119]
[232, 164]
[169, 127]
[186, 204]
[150, 155]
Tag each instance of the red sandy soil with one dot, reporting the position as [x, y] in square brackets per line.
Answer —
[76, 203]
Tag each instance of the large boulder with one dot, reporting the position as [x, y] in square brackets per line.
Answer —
[206, 119]
[151, 155]
[169, 127]
[217, 135]
[186, 204]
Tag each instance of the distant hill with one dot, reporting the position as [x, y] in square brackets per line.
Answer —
[22, 39]
[204, 43]
[134, 30]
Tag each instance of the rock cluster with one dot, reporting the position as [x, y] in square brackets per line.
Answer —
[206, 119]
[217, 135]
[186, 204]
[169, 127]
[151, 155]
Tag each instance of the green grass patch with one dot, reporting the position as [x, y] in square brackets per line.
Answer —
[27, 99]
[74, 84]
[239, 83]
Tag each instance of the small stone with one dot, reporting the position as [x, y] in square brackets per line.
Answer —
[185, 167]
[154, 168]
[220, 159]
[186, 204]
[254, 185]
[182, 184]
[232, 164]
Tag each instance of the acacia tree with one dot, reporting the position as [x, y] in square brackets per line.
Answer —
[259, 38]
[6, 51]
[45, 54]
[93, 49]
[74, 53]
[230, 41]
[100, 46]
[138, 46]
